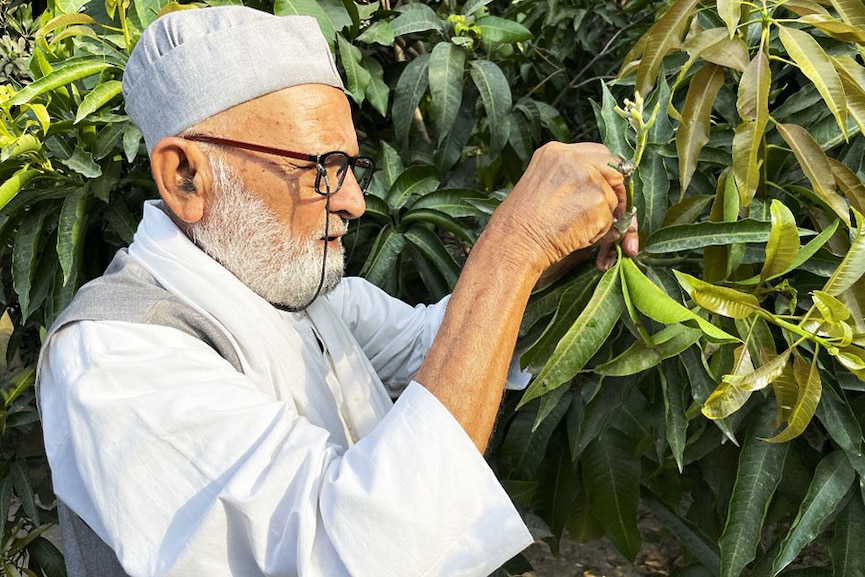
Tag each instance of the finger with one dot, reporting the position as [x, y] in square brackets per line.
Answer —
[606, 257]
[631, 240]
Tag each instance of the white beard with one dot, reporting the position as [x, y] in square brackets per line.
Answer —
[247, 238]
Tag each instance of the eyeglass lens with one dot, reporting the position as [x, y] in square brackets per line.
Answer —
[333, 168]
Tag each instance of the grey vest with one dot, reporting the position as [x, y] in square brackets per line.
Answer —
[126, 292]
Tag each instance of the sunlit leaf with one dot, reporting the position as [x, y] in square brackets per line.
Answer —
[377, 91]
[718, 299]
[849, 183]
[831, 309]
[816, 167]
[735, 389]
[446, 75]
[752, 103]
[852, 77]
[357, 77]
[835, 28]
[70, 71]
[664, 36]
[852, 11]
[852, 267]
[496, 30]
[783, 243]
[657, 305]
[853, 359]
[97, 98]
[584, 338]
[15, 183]
[69, 230]
[379, 32]
[809, 389]
[614, 128]
[730, 11]
[832, 479]
[815, 64]
[786, 393]
[415, 181]
[693, 130]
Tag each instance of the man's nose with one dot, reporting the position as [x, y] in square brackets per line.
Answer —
[348, 202]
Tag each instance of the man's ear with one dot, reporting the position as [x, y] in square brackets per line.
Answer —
[183, 177]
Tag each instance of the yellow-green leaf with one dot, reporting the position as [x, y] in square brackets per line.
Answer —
[835, 28]
[852, 11]
[715, 45]
[852, 77]
[783, 244]
[805, 7]
[816, 167]
[831, 309]
[852, 266]
[15, 183]
[663, 37]
[730, 11]
[97, 98]
[815, 64]
[752, 103]
[786, 393]
[809, 389]
[728, 397]
[693, 130]
[762, 377]
[22, 145]
[717, 299]
[849, 183]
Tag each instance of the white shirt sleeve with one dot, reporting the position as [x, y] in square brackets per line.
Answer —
[184, 467]
[396, 336]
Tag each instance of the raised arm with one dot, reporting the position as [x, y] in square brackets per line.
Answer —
[566, 201]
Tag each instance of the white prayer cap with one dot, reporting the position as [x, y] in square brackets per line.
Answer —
[191, 64]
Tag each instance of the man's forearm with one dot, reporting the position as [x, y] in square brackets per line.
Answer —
[468, 362]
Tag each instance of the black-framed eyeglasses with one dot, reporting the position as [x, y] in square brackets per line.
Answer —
[331, 167]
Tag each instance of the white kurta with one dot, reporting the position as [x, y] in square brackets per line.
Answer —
[185, 466]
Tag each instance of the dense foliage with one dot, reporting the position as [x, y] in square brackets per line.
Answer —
[714, 379]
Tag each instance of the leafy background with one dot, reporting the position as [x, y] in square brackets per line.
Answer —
[715, 380]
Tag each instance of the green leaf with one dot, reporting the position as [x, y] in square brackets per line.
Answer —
[525, 444]
[392, 165]
[49, 558]
[662, 38]
[446, 75]
[832, 479]
[694, 127]
[702, 548]
[496, 96]
[14, 184]
[718, 299]
[495, 30]
[674, 385]
[131, 141]
[552, 119]
[703, 234]
[451, 201]
[70, 71]
[410, 87]
[835, 28]
[657, 305]
[15, 385]
[584, 338]
[307, 8]
[383, 256]
[97, 98]
[436, 266]
[82, 162]
[379, 32]
[831, 309]
[357, 77]
[852, 266]
[24, 490]
[571, 303]
[416, 17]
[414, 181]
[611, 475]
[849, 183]
[809, 388]
[69, 230]
[815, 64]
[758, 475]
[614, 127]
[440, 220]
[640, 356]
[816, 167]
[783, 244]
[25, 255]
[848, 555]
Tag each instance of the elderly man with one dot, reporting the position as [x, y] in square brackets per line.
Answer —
[219, 403]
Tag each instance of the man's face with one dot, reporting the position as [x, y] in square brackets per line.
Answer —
[263, 219]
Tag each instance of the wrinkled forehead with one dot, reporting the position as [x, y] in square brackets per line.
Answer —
[190, 65]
